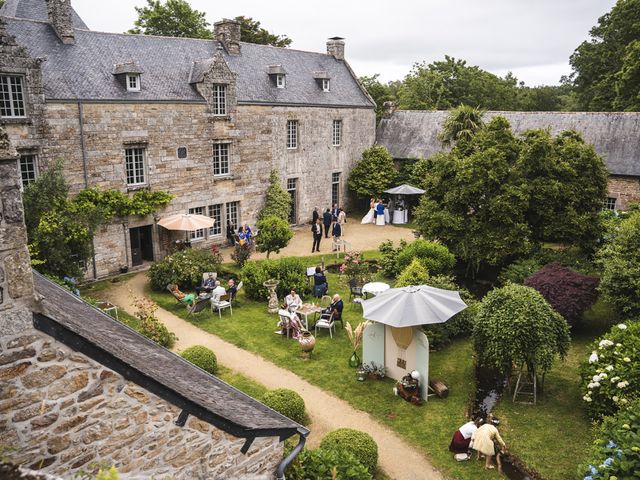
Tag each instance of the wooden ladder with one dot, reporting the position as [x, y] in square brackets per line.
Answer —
[526, 390]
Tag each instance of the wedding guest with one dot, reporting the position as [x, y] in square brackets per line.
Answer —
[320, 284]
[292, 301]
[486, 440]
[336, 307]
[342, 217]
[218, 290]
[462, 437]
[335, 211]
[316, 230]
[208, 284]
[229, 232]
[315, 216]
[187, 298]
[326, 220]
[336, 231]
[232, 289]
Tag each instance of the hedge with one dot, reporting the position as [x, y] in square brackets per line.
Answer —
[202, 357]
[184, 268]
[358, 443]
[287, 402]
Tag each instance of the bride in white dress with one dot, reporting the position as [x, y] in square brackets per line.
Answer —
[369, 217]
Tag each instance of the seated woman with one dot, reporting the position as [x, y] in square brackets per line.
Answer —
[320, 284]
[187, 298]
[294, 325]
[292, 301]
[462, 438]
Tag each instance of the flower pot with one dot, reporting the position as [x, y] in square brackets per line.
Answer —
[307, 342]
[354, 361]
[361, 375]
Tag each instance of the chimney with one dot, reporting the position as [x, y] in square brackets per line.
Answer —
[388, 109]
[227, 32]
[16, 279]
[335, 47]
[61, 20]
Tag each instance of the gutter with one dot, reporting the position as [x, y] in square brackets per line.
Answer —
[303, 433]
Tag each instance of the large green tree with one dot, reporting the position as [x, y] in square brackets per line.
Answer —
[277, 201]
[606, 68]
[173, 18]
[374, 173]
[252, 32]
[275, 234]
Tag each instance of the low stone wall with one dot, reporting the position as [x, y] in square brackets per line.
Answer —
[63, 412]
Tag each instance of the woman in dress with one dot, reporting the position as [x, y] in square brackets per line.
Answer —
[369, 217]
[462, 438]
[486, 440]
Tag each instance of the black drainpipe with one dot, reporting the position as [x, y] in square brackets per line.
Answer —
[303, 432]
[86, 178]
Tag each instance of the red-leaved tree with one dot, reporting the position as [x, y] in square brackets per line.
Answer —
[569, 293]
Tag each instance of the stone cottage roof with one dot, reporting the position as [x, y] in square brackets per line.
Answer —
[34, 10]
[614, 135]
[111, 343]
[84, 71]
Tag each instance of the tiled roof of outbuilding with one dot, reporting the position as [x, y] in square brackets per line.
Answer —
[614, 135]
[83, 71]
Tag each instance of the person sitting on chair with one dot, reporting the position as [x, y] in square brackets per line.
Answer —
[208, 284]
[292, 301]
[187, 298]
[233, 289]
[336, 307]
[218, 291]
[320, 284]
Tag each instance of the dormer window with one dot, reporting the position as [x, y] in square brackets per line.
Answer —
[277, 75]
[280, 81]
[325, 84]
[322, 80]
[133, 82]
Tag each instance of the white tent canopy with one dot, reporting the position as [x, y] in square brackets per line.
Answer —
[405, 190]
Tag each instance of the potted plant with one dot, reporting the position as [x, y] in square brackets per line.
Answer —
[375, 372]
[361, 373]
[355, 336]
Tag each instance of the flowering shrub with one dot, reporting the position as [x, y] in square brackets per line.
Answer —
[354, 267]
[150, 326]
[184, 268]
[611, 375]
[616, 451]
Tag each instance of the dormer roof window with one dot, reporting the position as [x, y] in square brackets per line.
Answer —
[133, 82]
[128, 74]
[325, 84]
[278, 75]
[322, 79]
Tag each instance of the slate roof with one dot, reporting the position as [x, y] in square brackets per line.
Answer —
[34, 10]
[180, 378]
[84, 71]
[614, 135]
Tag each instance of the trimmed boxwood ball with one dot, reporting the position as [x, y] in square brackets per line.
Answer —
[358, 443]
[201, 357]
[287, 402]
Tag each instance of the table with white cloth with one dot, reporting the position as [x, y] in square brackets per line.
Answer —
[305, 310]
[400, 216]
[374, 288]
[386, 216]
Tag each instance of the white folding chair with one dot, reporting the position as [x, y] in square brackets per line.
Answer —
[326, 322]
[220, 303]
[285, 320]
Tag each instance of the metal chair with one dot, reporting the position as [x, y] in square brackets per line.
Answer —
[355, 290]
[199, 305]
[220, 303]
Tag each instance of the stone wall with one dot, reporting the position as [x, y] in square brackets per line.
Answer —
[625, 190]
[63, 412]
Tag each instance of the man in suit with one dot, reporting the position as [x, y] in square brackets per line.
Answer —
[316, 230]
[326, 220]
[315, 216]
[337, 230]
[335, 211]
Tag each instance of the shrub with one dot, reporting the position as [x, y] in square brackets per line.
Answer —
[611, 376]
[241, 254]
[516, 325]
[275, 233]
[389, 260]
[354, 267]
[201, 357]
[291, 273]
[518, 271]
[358, 443]
[150, 326]
[436, 257]
[277, 200]
[324, 464]
[616, 451]
[373, 173]
[184, 268]
[413, 274]
[287, 402]
[569, 292]
[620, 281]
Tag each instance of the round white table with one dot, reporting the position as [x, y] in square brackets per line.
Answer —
[374, 288]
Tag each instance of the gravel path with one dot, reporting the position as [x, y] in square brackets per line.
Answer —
[397, 458]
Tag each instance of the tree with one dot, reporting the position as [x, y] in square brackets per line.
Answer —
[374, 173]
[461, 125]
[278, 201]
[173, 18]
[380, 92]
[252, 32]
[515, 325]
[606, 68]
[275, 234]
[620, 259]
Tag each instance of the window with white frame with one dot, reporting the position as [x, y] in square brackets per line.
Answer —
[280, 80]
[233, 213]
[219, 99]
[292, 188]
[335, 188]
[292, 134]
[135, 165]
[220, 159]
[133, 82]
[197, 234]
[325, 84]
[215, 212]
[337, 133]
[28, 168]
[12, 96]
[609, 203]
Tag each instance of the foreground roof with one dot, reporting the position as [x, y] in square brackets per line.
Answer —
[614, 135]
[35, 10]
[90, 331]
[84, 71]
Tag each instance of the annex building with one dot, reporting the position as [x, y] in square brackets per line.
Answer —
[205, 120]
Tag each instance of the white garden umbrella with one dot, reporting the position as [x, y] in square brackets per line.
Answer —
[405, 190]
[186, 221]
[413, 305]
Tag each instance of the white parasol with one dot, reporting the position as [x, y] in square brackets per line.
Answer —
[405, 190]
[413, 305]
[186, 221]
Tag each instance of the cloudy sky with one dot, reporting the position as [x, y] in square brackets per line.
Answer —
[531, 38]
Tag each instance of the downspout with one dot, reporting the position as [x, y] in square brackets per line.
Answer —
[303, 432]
[86, 179]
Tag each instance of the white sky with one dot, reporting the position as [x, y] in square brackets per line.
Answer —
[531, 38]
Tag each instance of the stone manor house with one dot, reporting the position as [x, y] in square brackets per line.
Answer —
[205, 120]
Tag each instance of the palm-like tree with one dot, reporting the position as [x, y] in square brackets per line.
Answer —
[461, 125]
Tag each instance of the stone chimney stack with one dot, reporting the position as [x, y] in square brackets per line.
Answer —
[61, 20]
[227, 32]
[335, 47]
[16, 279]
[388, 109]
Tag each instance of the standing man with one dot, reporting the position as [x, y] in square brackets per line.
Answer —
[336, 231]
[326, 220]
[335, 211]
[315, 216]
[316, 230]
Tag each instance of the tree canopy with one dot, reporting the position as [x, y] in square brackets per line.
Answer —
[252, 32]
[277, 201]
[275, 234]
[606, 68]
[373, 173]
